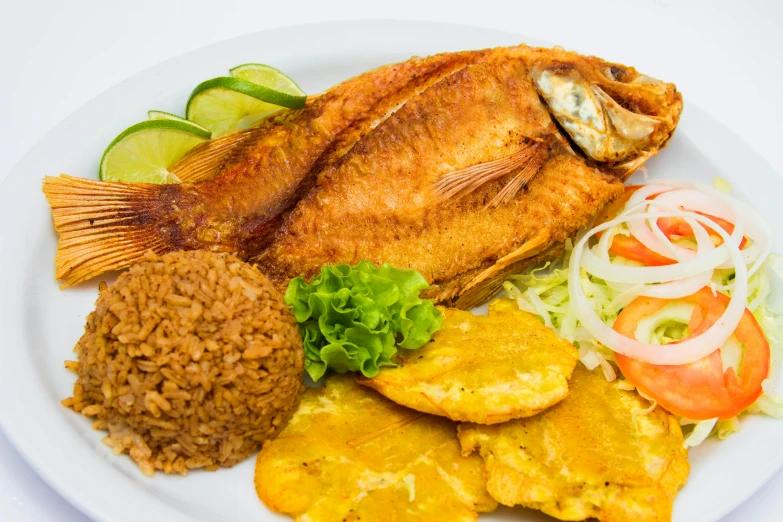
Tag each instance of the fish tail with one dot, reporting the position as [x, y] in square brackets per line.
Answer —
[102, 225]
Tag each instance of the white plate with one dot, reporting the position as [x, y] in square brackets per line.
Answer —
[40, 324]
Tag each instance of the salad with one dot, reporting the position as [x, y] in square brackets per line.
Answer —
[671, 286]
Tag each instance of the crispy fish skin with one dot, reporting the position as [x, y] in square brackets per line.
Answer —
[231, 212]
[107, 225]
[482, 369]
[562, 113]
[349, 454]
[584, 457]
[563, 197]
[374, 203]
[374, 199]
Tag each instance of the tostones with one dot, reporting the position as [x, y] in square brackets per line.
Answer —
[588, 456]
[349, 454]
[483, 369]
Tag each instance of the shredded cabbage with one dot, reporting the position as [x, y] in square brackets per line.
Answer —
[701, 430]
[543, 291]
[724, 428]
[636, 412]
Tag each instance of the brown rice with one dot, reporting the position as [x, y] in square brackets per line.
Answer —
[190, 360]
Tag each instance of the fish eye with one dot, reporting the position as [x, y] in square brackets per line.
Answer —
[617, 73]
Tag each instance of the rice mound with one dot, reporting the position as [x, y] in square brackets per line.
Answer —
[190, 360]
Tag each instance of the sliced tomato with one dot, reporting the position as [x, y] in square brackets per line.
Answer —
[627, 246]
[674, 228]
[699, 390]
[631, 248]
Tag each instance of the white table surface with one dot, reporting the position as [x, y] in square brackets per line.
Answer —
[55, 56]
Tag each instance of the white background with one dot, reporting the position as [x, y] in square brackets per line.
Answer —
[56, 55]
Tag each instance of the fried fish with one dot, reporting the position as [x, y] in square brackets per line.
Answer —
[349, 454]
[235, 187]
[588, 456]
[483, 369]
[464, 166]
[481, 174]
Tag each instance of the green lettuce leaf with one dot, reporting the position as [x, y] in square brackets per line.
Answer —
[354, 318]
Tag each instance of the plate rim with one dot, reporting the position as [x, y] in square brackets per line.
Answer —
[73, 492]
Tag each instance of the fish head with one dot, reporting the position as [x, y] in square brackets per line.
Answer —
[613, 114]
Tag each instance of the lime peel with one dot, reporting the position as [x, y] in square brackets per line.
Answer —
[162, 115]
[227, 104]
[143, 152]
[267, 76]
[259, 92]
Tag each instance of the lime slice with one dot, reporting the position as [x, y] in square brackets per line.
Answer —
[145, 151]
[227, 104]
[267, 76]
[197, 129]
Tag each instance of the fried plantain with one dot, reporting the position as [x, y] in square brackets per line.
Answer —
[349, 454]
[586, 456]
[481, 369]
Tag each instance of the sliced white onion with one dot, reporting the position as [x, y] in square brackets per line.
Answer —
[725, 207]
[719, 205]
[605, 242]
[671, 290]
[674, 251]
[651, 189]
[646, 234]
[757, 230]
[690, 271]
[654, 274]
[680, 288]
[689, 350]
[698, 201]
[651, 236]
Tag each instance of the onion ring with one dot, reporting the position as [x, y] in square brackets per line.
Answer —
[689, 350]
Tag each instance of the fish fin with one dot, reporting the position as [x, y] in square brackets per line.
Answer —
[529, 248]
[481, 292]
[627, 168]
[205, 160]
[458, 183]
[478, 295]
[102, 225]
[522, 178]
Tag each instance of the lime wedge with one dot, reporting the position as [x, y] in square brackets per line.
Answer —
[144, 152]
[197, 129]
[227, 104]
[267, 76]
